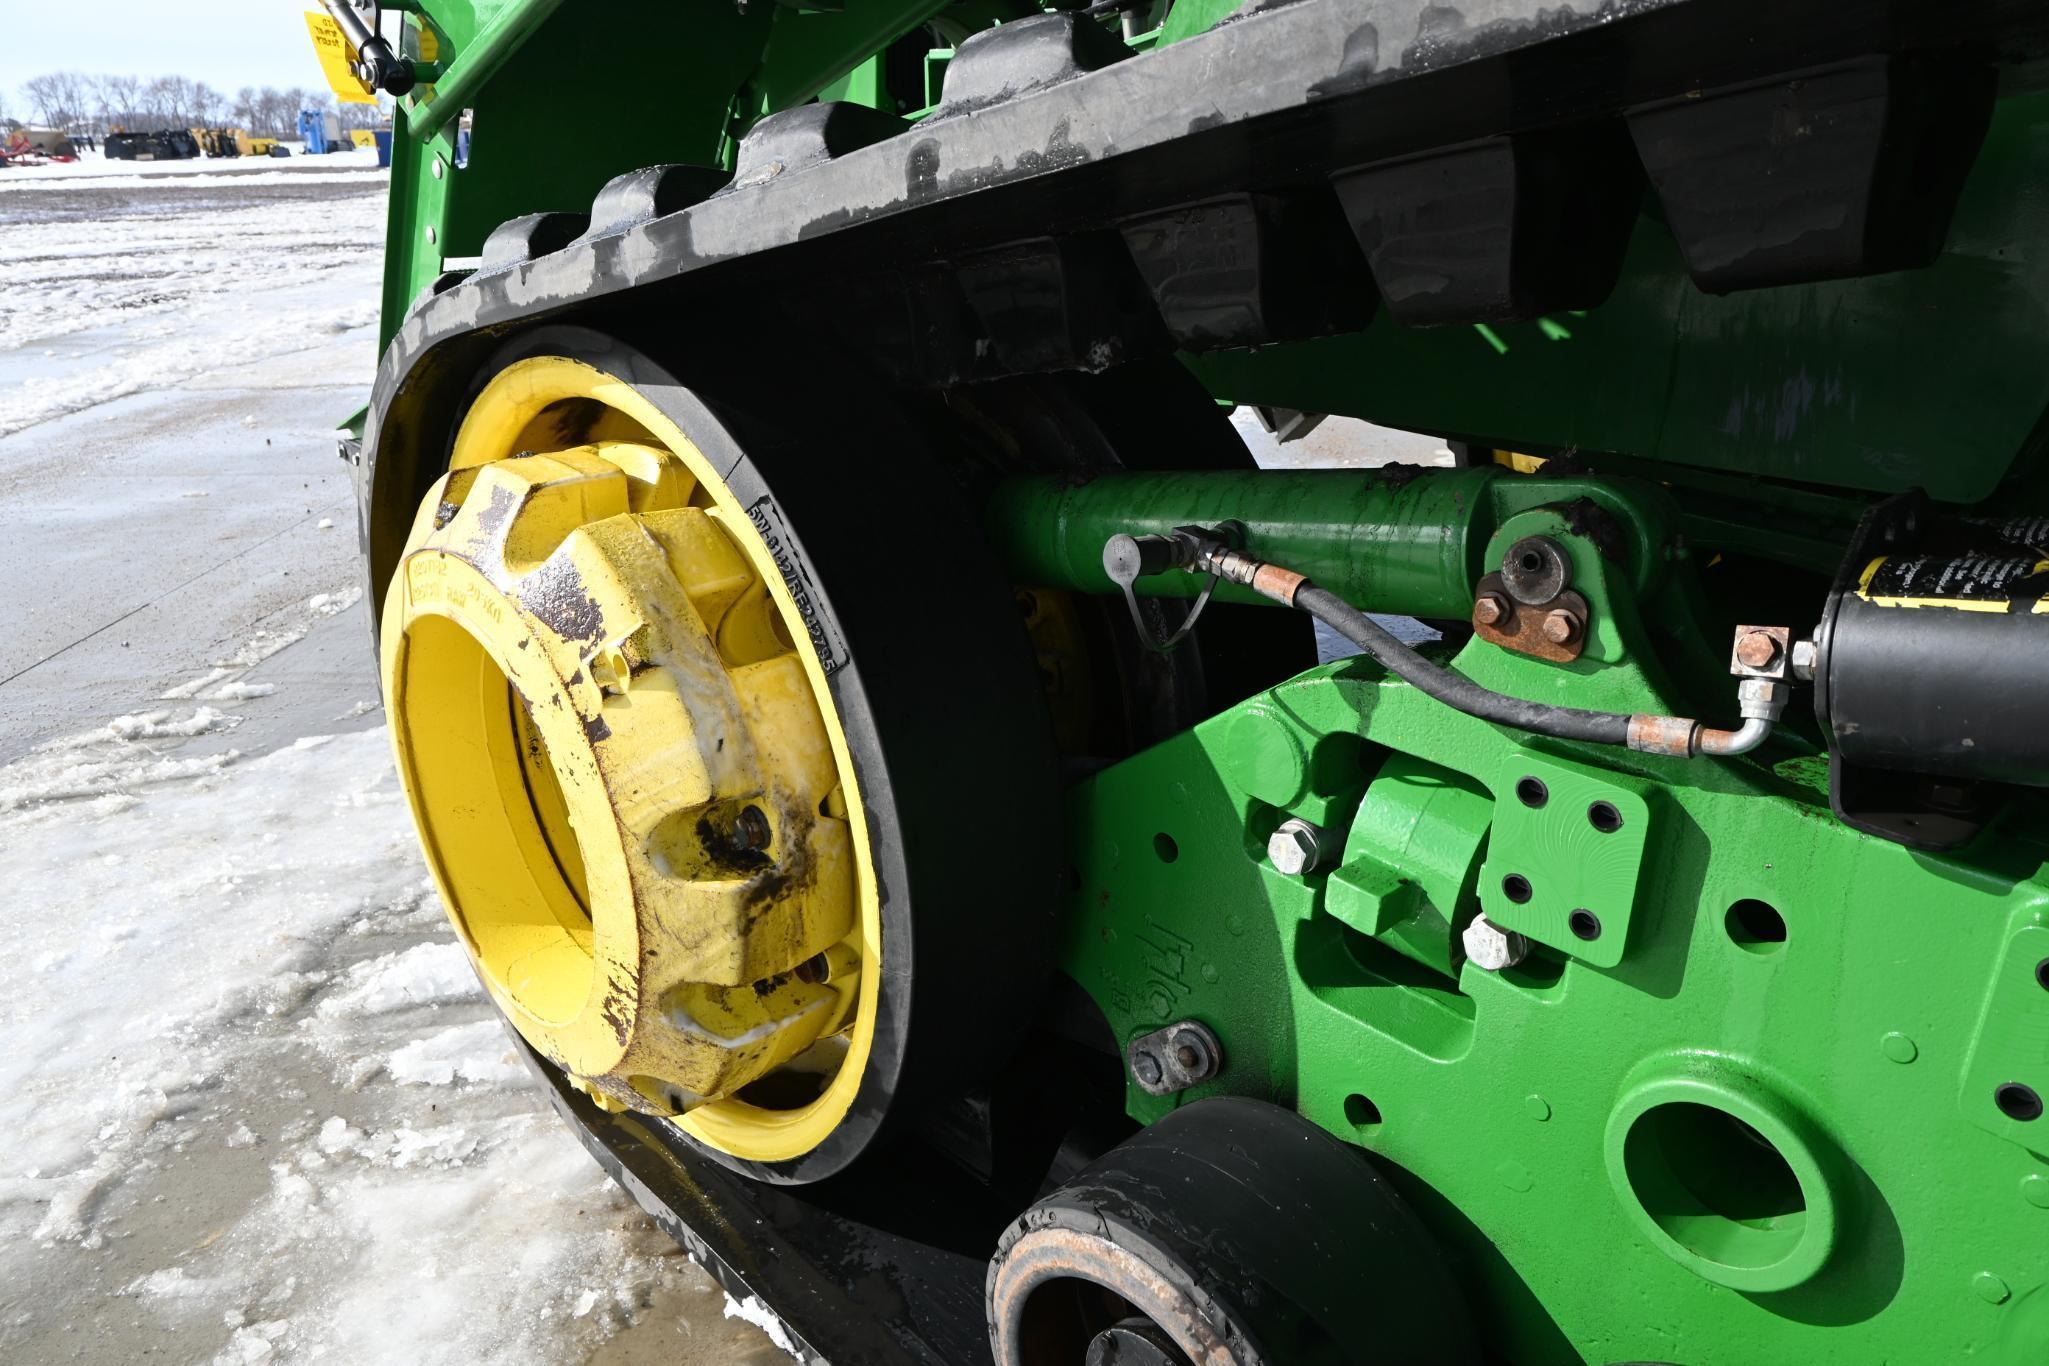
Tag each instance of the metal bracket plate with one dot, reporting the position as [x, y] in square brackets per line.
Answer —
[1565, 856]
[2006, 1077]
[1520, 626]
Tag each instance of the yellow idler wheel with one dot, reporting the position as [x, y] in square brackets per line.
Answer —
[630, 779]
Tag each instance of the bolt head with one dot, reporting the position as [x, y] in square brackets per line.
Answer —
[1491, 947]
[1294, 848]
[750, 830]
[1806, 658]
[1560, 626]
[1146, 1068]
[1757, 650]
[1490, 609]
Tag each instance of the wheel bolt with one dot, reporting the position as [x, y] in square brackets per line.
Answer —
[1560, 626]
[750, 831]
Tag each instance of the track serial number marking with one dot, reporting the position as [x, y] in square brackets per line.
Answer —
[768, 521]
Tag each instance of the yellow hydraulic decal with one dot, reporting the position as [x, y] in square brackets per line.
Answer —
[1964, 583]
[626, 769]
[337, 60]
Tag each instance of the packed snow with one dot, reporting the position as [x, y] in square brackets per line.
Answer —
[148, 303]
[254, 1095]
[256, 1107]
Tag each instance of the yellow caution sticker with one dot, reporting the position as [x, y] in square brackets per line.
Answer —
[1972, 582]
[337, 60]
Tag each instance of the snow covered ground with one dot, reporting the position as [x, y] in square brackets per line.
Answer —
[255, 1108]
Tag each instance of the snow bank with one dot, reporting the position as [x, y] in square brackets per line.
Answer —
[141, 303]
[332, 168]
[243, 969]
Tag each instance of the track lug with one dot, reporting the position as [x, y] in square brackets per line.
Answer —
[649, 193]
[809, 135]
[1497, 230]
[1024, 55]
[1850, 170]
[1247, 269]
[519, 240]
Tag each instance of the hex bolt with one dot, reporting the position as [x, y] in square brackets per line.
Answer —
[1490, 609]
[1757, 650]
[1296, 847]
[750, 830]
[1146, 1067]
[1491, 947]
[1560, 626]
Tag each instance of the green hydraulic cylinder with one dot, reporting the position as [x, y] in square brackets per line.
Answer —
[1400, 539]
[1403, 542]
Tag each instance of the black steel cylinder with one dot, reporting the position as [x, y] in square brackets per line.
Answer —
[1936, 660]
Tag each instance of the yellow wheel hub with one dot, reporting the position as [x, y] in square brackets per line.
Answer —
[627, 771]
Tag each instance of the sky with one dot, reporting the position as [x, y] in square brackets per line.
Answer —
[226, 43]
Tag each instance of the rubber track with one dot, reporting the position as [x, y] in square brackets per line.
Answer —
[1069, 205]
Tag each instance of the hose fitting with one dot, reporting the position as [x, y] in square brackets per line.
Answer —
[1221, 555]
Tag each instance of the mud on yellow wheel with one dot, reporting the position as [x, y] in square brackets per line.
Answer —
[662, 805]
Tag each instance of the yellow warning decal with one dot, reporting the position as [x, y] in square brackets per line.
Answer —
[1975, 583]
[336, 60]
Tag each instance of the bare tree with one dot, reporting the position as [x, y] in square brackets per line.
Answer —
[104, 104]
[59, 99]
[354, 116]
[279, 112]
[121, 103]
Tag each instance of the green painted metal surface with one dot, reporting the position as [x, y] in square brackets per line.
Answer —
[1756, 1116]
[810, 50]
[1393, 540]
[1938, 377]
[491, 33]
[1753, 1120]
[673, 71]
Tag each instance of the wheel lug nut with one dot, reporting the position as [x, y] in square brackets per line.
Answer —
[750, 830]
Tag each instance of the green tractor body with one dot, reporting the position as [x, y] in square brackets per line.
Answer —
[1738, 311]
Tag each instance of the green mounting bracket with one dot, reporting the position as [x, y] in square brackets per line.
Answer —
[1566, 856]
[2006, 1079]
[1430, 823]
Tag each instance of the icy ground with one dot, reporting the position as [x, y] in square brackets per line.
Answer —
[253, 1105]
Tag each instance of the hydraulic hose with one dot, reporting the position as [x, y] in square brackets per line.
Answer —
[1125, 558]
[1454, 690]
